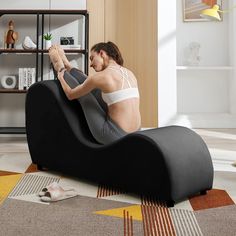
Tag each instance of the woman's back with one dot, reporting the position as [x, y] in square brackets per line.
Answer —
[120, 92]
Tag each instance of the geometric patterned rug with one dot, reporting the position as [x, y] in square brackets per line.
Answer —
[99, 210]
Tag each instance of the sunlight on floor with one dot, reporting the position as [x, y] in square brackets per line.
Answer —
[222, 154]
[216, 134]
[222, 147]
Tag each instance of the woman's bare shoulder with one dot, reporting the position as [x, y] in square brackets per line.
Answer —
[100, 79]
[100, 75]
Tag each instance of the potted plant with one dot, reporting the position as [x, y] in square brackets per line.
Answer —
[48, 40]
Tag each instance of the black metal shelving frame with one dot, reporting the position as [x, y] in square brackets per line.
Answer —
[40, 51]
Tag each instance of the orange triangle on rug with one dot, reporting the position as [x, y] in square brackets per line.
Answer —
[214, 198]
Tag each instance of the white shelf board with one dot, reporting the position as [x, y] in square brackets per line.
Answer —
[204, 67]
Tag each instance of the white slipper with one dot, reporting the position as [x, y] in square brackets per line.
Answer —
[58, 195]
[51, 186]
[54, 186]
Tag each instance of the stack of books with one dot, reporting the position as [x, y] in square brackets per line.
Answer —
[26, 78]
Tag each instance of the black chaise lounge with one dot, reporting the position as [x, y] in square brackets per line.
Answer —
[170, 163]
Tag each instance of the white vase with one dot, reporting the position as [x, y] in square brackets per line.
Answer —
[48, 44]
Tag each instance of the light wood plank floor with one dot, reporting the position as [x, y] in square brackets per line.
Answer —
[219, 138]
[13, 144]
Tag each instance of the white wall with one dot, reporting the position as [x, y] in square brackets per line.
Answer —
[205, 96]
[68, 4]
[24, 4]
[167, 104]
[232, 37]
[212, 36]
[43, 4]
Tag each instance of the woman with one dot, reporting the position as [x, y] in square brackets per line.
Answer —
[118, 86]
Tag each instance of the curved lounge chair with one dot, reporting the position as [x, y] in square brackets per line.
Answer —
[170, 163]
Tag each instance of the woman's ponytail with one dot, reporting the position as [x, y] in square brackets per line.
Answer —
[111, 49]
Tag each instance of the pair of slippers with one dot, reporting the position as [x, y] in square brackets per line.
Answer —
[54, 192]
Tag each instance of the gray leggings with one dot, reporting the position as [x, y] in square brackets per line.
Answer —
[103, 129]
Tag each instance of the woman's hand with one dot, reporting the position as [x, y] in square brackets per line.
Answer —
[80, 90]
[60, 74]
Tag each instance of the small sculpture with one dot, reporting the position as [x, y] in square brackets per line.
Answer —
[11, 36]
[192, 54]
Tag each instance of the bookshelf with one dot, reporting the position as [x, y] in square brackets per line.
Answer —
[38, 23]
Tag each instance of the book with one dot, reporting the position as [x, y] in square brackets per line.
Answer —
[20, 79]
[30, 77]
[27, 77]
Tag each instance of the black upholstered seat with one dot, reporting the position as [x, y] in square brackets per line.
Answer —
[170, 163]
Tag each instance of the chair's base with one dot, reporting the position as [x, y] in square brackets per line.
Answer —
[203, 192]
[170, 203]
[41, 168]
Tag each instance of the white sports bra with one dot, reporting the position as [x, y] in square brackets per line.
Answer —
[122, 94]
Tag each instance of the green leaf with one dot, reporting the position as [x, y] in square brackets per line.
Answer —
[47, 36]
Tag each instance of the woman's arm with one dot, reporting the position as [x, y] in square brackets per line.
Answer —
[72, 93]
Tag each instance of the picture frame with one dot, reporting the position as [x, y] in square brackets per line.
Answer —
[193, 8]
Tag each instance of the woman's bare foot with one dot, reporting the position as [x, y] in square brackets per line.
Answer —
[63, 57]
[55, 59]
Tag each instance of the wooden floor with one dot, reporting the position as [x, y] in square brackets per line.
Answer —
[219, 138]
[13, 144]
[221, 144]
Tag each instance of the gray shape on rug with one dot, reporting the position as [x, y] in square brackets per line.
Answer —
[217, 221]
[74, 216]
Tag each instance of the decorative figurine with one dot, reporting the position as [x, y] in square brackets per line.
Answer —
[11, 36]
[193, 58]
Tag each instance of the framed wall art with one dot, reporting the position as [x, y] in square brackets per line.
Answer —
[193, 8]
